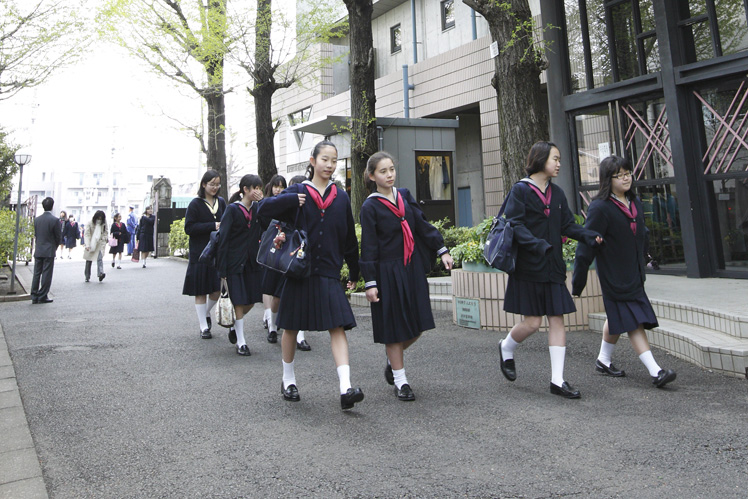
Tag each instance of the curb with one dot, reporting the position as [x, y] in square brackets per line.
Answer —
[26, 285]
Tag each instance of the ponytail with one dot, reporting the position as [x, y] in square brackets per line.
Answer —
[249, 181]
[315, 152]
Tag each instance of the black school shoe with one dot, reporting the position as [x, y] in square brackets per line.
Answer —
[243, 350]
[389, 375]
[101, 277]
[350, 397]
[609, 370]
[508, 368]
[291, 393]
[206, 334]
[232, 336]
[405, 393]
[565, 390]
[664, 377]
[272, 337]
[303, 346]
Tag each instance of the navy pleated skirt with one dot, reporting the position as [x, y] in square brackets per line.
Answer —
[537, 298]
[316, 303]
[201, 279]
[272, 282]
[625, 316]
[245, 288]
[403, 311]
[145, 244]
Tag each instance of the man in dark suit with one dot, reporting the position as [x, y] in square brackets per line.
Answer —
[48, 237]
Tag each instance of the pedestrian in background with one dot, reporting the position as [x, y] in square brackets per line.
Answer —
[119, 232]
[201, 280]
[71, 235]
[48, 234]
[238, 242]
[272, 281]
[392, 225]
[616, 213]
[301, 342]
[63, 227]
[132, 229]
[145, 234]
[540, 215]
[96, 241]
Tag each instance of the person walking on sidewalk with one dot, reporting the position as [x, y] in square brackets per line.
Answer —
[145, 234]
[272, 281]
[63, 228]
[48, 234]
[97, 240]
[132, 229]
[201, 280]
[539, 213]
[318, 302]
[70, 235]
[392, 228]
[119, 232]
[616, 213]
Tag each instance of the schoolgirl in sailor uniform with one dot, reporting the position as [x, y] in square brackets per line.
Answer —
[540, 215]
[617, 214]
[272, 281]
[318, 302]
[201, 280]
[392, 225]
[145, 234]
[238, 241]
[71, 235]
[117, 230]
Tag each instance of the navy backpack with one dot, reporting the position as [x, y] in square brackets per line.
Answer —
[500, 250]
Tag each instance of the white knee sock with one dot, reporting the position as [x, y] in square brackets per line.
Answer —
[606, 353]
[239, 326]
[649, 362]
[271, 322]
[558, 356]
[400, 378]
[300, 337]
[209, 306]
[344, 374]
[266, 315]
[200, 309]
[289, 376]
[507, 347]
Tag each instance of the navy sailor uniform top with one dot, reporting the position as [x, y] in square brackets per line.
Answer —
[199, 222]
[237, 242]
[620, 263]
[382, 235]
[331, 235]
[540, 257]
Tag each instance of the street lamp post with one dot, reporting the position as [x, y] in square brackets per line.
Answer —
[21, 160]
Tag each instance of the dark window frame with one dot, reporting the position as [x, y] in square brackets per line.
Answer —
[395, 46]
[443, 5]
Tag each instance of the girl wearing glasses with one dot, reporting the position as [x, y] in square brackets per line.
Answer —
[203, 216]
[540, 215]
[617, 214]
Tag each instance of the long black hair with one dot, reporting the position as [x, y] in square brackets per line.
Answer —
[296, 179]
[248, 181]
[207, 177]
[610, 166]
[538, 156]
[371, 167]
[278, 180]
[99, 215]
[315, 152]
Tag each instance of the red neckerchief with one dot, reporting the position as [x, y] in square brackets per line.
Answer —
[247, 214]
[323, 205]
[630, 212]
[399, 211]
[544, 198]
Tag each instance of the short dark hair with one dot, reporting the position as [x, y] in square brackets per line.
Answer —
[538, 156]
[207, 177]
[48, 203]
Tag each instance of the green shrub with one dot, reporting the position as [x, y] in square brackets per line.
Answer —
[470, 246]
[8, 233]
[179, 242]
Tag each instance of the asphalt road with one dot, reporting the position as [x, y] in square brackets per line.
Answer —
[125, 400]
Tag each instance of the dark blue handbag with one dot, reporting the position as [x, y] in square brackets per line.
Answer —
[290, 257]
[209, 252]
[500, 250]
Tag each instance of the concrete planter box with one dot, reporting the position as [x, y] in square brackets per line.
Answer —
[487, 288]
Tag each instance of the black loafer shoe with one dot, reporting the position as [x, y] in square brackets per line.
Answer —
[112, 264]
[232, 336]
[291, 393]
[405, 393]
[350, 397]
[609, 370]
[565, 390]
[664, 377]
[206, 335]
[210, 323]
[388, 375]
[47, 300]
[101, 277]
[303, 346]
[243, 351]
[507, 366]
[272, 337]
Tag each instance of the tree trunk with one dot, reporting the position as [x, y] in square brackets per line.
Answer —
[217, 138]
[523, 116]
[363, 100]
[262, 93]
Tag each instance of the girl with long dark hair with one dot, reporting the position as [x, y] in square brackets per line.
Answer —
[238, 242]
[392, 226]
[96, 242]
[617, 214]
[272, 282]
[201, 280]
[318, 302]
[145, 234]
[118, 231]
[540, 215]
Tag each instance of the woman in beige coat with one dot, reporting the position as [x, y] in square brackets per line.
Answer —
[97, 237]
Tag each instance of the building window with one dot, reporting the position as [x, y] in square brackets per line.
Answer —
[297, 118]
[448, 14]
[396, 39]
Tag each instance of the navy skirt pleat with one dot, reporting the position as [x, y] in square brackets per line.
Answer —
[625, 316]
[537, 298]
[272, 282]
[403, 311]
[245, 288]
[201, 279]
[316, 303]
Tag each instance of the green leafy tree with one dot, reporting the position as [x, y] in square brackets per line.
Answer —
[8, 167]
[8, 233]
